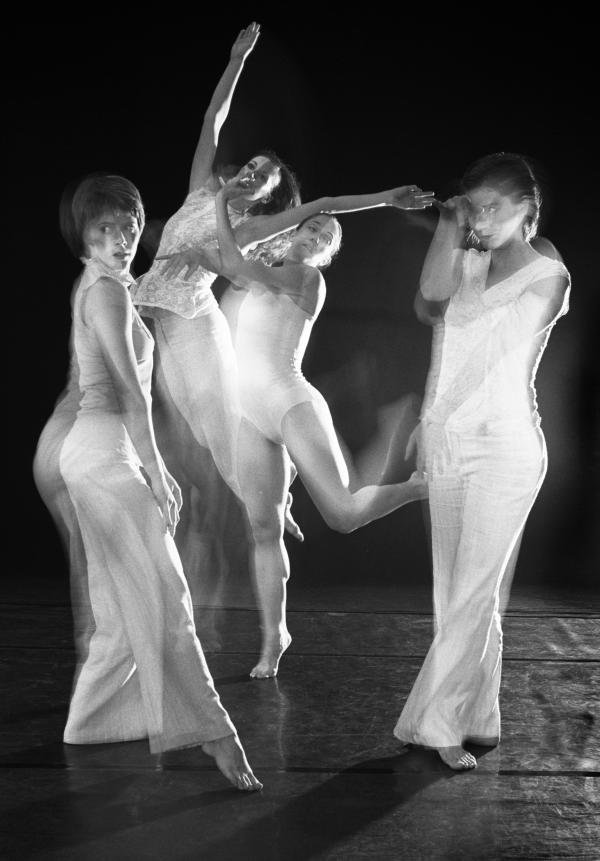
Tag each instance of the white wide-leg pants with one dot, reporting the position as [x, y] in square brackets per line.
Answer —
[481, 488]
[144, 674]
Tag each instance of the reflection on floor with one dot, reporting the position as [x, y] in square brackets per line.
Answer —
[337, 785]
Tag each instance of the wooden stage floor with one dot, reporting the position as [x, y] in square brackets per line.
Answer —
[336, 783]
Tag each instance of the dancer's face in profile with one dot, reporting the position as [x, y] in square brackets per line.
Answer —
[315, 241]
[259, 176]
[113, 238]
[494, 217]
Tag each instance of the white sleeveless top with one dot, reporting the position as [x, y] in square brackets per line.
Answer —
[488, 348]
[271, 335]
[95, 383]
[194, 225]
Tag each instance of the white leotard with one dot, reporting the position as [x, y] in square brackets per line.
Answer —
[270, 341]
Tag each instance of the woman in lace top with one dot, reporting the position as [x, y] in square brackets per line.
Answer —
[195, 353]
[480, 439]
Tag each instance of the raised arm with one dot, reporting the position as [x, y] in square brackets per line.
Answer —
[263, 227]
[108, 309]
[442, 268]
[218, 109]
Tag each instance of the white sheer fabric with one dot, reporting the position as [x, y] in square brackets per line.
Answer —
[193, 341]
[194, 225]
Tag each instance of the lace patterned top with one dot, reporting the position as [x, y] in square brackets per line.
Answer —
[193, 225]
[487, 349]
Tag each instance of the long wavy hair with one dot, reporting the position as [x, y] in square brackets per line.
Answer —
[285, 195]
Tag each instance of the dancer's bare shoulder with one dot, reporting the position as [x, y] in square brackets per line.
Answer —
[546, 248]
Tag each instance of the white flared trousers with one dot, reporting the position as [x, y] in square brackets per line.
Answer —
[481, 488]
[144, 673]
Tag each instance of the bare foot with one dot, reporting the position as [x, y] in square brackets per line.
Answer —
[457, 758]
[231, 761]
[290, 524]
[272, 651]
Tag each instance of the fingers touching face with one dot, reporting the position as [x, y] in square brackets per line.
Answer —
[258, 177]
[494, 217]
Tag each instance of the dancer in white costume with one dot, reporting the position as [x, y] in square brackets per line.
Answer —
[144, 674]
[481, 441]
[284, 414]
[192, 336]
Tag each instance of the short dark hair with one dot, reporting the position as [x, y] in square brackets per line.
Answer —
[511, 173]
[87, 198]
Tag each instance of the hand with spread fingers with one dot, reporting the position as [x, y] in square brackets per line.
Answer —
[245, 41]
[191, 259]
[410, 197]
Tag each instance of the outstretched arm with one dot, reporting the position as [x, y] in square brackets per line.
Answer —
[243, 273]
[262, 227]
[218, 109]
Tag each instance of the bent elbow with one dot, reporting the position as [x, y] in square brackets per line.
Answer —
[341, 521]
[428, 290]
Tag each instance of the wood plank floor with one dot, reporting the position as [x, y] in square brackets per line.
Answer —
[337, 784]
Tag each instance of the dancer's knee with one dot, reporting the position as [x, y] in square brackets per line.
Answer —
[341, 518]
[267, 528]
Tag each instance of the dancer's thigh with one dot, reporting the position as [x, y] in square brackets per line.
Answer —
[446, 507]
[264, 477]
[311, 440]
[503, 476]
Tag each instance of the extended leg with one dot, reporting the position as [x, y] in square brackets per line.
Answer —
[311, 440]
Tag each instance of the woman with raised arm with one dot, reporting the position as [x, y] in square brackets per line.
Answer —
[480, 437]
[143, 673]
[284, 416]
[192, 336]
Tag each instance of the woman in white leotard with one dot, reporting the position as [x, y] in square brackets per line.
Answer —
[481, 440]
[285, 417]
[192, 337]
[143, 673]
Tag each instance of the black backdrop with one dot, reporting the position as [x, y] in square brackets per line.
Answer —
[352, 103]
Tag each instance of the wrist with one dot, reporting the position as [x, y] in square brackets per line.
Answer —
[156, 471]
